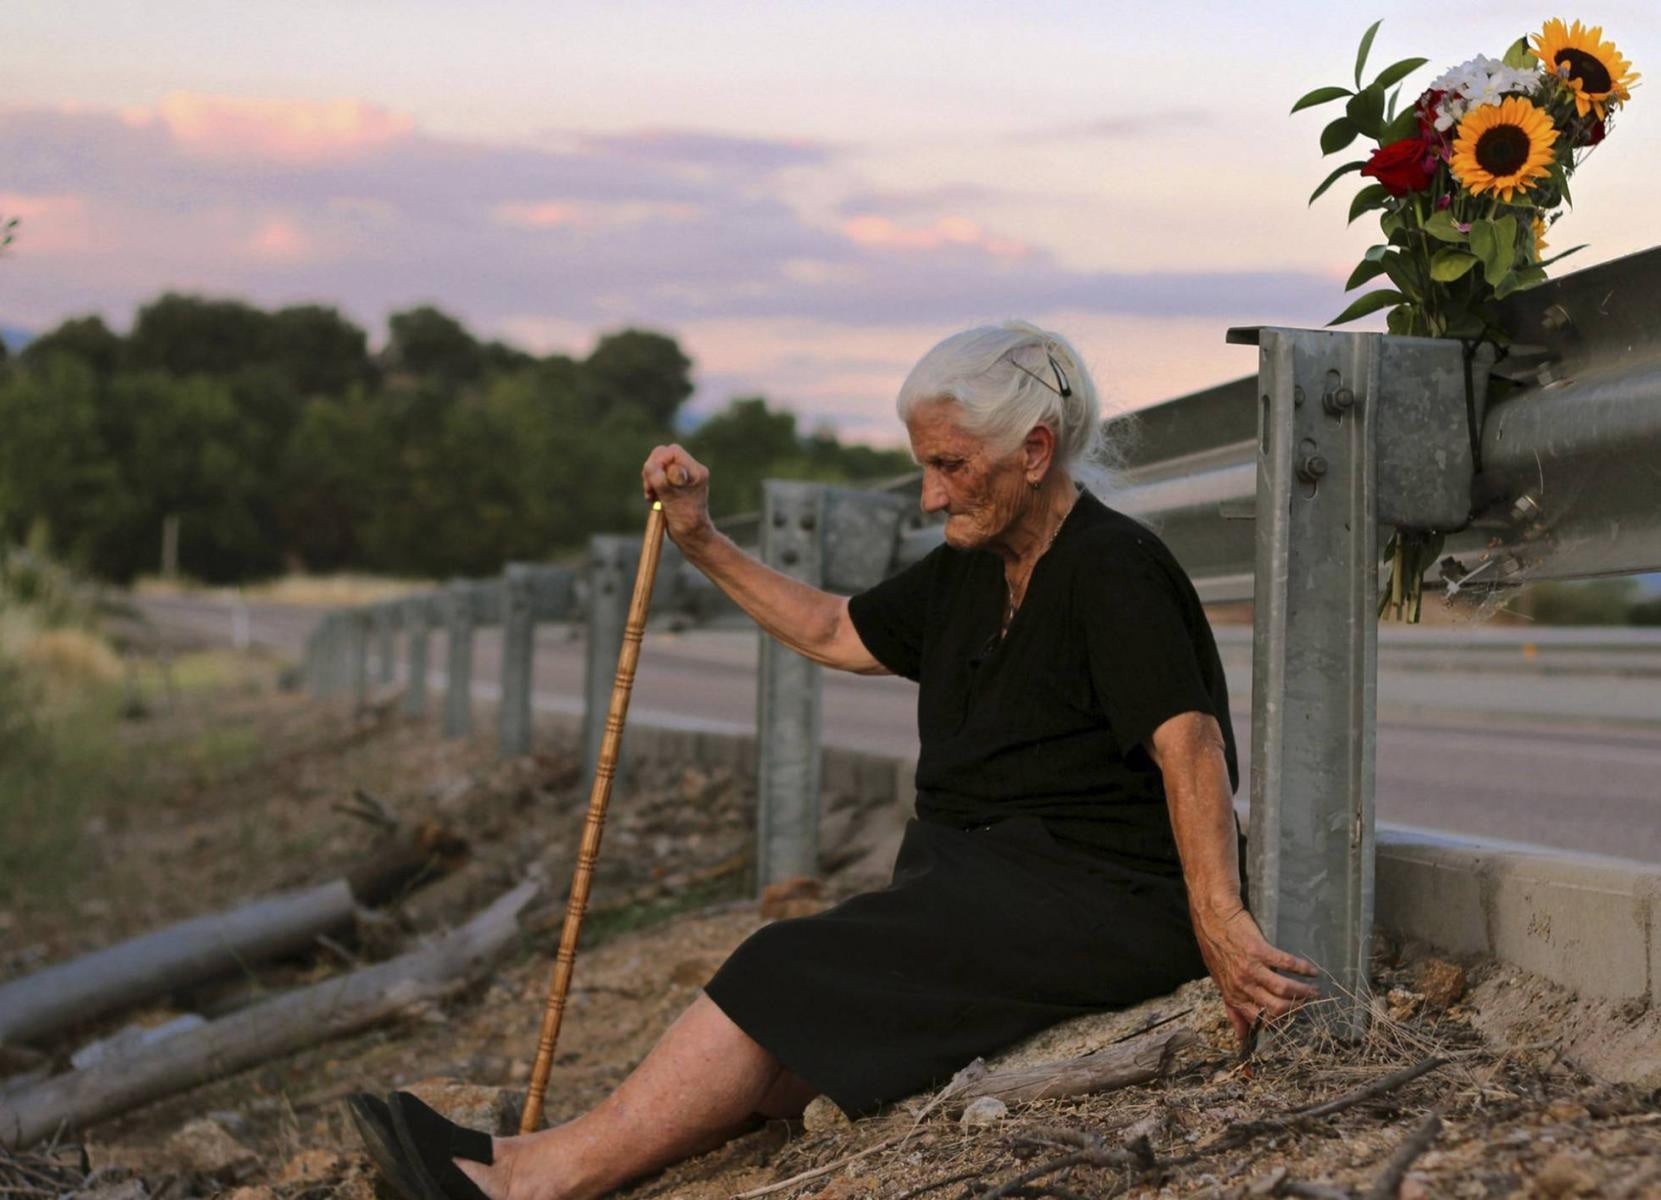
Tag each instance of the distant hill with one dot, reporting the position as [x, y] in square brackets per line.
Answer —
[15, 338]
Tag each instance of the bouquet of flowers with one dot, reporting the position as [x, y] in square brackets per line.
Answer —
[1469, 178]
[1472, 174]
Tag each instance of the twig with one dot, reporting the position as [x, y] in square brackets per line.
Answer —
[341, 952]
[1244, 1131]
[1417, 1142]
[1374, 1089]
[1151, 1025]
[816, 1172]
[1103, 1157]
[935, 1184]
[1315, 1191]
[975, 1071]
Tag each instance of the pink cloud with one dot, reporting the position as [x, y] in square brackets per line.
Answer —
[287, 130]
[554, 214]
[278, 240]
[885, 233]
[53, 223]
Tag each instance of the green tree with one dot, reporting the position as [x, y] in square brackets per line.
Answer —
[191, 335]
[639, 370]
[747, 443]
[318, 350]
[741, 446]
[429, 343]
[324, 481]
[84, 339]
[54, 473]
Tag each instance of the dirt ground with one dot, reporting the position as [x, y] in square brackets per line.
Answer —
[1518, 1117]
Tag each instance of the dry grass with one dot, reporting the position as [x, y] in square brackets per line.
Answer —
[319, 591]
[69, 659]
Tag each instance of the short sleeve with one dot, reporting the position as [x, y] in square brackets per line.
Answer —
[1144, 661]
[890, 618]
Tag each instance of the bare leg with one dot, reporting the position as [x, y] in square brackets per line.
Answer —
[700, 1085]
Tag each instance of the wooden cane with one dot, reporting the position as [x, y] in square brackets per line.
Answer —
[599, 796]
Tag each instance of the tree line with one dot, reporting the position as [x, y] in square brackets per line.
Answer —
[279, 442]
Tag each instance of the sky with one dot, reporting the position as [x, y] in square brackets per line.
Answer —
[808, 196]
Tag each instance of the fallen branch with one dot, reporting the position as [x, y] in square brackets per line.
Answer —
[1244, 1131]
[165, 960]
[326, 1010]
[1117, 1065]
[204, 948]
[816, 1172]
[1389, 1183]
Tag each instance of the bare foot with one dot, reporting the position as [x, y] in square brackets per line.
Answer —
[494, 1179]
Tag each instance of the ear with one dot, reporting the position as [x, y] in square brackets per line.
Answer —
[1038, 452]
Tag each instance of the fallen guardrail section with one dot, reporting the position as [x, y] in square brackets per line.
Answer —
[1274, 488]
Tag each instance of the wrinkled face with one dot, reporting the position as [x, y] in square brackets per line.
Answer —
[981, 495]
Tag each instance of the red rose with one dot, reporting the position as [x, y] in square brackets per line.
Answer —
[1404, 166]
[1425, 106]
[1594, 133]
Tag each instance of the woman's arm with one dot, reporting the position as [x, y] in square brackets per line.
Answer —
[811, 622]
[1188, 749]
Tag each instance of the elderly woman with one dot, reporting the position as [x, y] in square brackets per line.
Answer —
[1075, 847]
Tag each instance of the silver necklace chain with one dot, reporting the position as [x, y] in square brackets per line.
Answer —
[1009, 613]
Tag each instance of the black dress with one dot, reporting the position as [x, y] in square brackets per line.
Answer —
[1040, 879]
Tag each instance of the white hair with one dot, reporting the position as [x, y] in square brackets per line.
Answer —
[1009, 378]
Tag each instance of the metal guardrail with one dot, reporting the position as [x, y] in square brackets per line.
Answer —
[1272, 487]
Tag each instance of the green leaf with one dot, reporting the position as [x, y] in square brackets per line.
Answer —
[1398, 71]
[1546, 262]
[1375, 253]
[1404, 273]
[1495, 243]
[1321, 95]
[1519, 55]
[1335, 177]
[1561, 178]
[1366, 110]
[1519, 281]
[1364, 270]
[1338, 135]
[1441, 227]
[1400, 319]
[1366, 48]
[1505, 250]
[1465, 324]
[1403, 125]
[1368, 198]
[1369, 302]
[1449, 264]
[1392, 224]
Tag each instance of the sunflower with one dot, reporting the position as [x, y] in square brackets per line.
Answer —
[1538, 229]
[1503, 148]
[1590, 67]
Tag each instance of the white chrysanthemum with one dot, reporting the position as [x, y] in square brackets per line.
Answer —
[1480, 81]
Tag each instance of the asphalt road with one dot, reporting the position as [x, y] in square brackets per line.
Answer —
[1570, 760]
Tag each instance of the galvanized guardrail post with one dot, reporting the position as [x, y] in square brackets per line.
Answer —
[458, 682]
[513, 714]
[332, 665]
[1354, 429]
[386, 615]
[357, 643]
[418, 623]
[788, 695]
[611, 565]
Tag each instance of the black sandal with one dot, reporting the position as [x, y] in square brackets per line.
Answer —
[380, 1140]
[429, 1142]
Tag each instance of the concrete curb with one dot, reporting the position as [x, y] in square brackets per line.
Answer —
[1591, 924]
[1588, 923]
